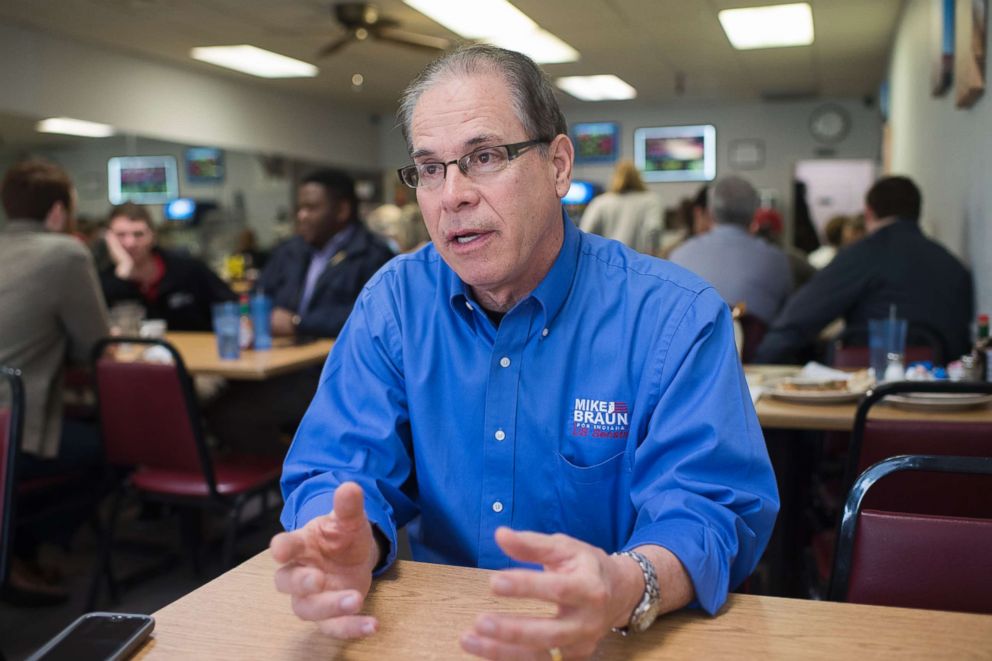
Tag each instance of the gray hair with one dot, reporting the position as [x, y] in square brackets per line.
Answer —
[733, 201]
[531, 92]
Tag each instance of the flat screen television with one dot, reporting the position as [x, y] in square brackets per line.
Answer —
[676, 153]
[596, 141]
[580, 192]
[142, 179]
[204, 165]
[180, 210]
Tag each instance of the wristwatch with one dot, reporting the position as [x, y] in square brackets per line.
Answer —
[295, 320]
[647, 609]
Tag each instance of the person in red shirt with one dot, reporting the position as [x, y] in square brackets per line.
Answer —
[177, 288]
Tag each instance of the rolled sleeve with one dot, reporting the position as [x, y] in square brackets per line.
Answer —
[356, 429]
[703, 485]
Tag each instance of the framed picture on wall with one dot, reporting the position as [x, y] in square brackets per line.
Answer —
[971, 21]
[746, 154]
[941, 45]
[596, 142]
[204, 165]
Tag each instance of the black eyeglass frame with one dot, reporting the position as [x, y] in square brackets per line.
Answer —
[512, 151]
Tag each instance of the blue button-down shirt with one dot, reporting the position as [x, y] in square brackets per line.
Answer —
[609, 405]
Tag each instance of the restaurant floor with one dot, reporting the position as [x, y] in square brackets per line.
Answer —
[24, 629]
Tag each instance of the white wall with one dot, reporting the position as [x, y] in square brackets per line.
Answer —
[43, 75]
[946, 150]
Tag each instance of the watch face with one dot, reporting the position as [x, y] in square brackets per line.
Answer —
[829, 123]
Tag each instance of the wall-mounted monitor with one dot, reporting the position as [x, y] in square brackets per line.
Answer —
[204, 165]
[187, 211]
[596, 141]
[676, 153]
[580, 192]
[142, 179]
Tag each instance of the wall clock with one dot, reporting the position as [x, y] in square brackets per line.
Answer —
[829, 123]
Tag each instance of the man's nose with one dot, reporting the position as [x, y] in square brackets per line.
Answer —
[458, 190]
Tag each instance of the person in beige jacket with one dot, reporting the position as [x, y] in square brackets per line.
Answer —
[51, 309]
[629, 212]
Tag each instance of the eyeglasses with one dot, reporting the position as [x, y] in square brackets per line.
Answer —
[482, 161]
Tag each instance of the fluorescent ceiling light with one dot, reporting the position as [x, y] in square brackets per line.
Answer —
[768, 27]
[539, 45]
[499, 23]
[69, 126]
[254, 61]
[597, 88]
[479, 19]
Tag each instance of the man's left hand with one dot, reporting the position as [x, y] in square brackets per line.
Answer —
[593, 592]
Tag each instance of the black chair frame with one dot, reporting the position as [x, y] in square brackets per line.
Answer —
[16, 429]
[880, 392]
[841, 575]
[232, 507]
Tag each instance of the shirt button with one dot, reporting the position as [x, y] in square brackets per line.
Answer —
[504, 362]
[469, 305]
[497, 507]
[544, 333]
[500, 435]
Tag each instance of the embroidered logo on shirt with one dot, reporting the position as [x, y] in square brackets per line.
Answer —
[600, 419]
[179, 299]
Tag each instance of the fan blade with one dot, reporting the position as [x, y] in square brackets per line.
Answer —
[336, 45]
[413, 39]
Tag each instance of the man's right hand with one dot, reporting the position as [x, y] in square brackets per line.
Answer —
[123, 264]
[327, 566]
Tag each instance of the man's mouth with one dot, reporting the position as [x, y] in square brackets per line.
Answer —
[467, 238]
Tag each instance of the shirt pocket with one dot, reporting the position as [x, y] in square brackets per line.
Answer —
[590, 499]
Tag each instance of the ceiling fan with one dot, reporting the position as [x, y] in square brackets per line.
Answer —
[362, 21]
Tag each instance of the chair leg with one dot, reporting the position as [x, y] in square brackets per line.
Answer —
[103, 563]
[233, 519]
[192, 536]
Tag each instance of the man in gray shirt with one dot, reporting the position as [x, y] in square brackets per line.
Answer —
[741, 266]
[52, 309]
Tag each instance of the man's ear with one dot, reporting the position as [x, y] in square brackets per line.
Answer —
[57, 218]
[562, 157]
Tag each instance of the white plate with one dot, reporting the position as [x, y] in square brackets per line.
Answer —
[939, 401]
[813, 396]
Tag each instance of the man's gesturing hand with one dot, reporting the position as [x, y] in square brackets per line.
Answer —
[327, 566]
[593, 592]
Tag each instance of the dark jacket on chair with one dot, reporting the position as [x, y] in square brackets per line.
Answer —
[337, 287]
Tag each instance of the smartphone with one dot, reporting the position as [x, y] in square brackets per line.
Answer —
[98, 637]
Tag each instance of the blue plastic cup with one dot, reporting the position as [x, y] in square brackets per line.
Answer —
[261, 321]
[227, 324]
[886, 337]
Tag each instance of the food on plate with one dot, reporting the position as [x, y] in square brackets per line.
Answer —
[799, 385]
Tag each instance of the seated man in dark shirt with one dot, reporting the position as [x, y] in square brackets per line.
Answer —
[894, 264]
[315, 277]
[169, 285]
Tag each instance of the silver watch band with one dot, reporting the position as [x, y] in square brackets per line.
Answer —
[647, 608]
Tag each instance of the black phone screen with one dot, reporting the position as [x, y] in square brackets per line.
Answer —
[96, 638]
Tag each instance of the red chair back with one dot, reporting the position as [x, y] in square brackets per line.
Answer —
[921, 492]
[754, 330]
[922, 561]
[147, 414]
[858, 357]
[912, 560]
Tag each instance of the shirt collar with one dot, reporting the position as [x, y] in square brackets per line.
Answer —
[550, 293]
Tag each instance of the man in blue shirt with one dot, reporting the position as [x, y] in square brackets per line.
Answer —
[520, 375]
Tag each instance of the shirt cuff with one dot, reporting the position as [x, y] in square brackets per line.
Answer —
[700, 552]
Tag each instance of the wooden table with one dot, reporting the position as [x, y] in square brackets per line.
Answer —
[777, 414]
[199, 352]
[423, 608]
